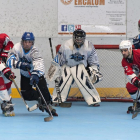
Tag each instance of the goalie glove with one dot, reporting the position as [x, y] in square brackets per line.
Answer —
[94, 74]
[54, 71]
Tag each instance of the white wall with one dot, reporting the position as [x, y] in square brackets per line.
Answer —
[40, 17]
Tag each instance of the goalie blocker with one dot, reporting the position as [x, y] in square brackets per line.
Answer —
[80, 76]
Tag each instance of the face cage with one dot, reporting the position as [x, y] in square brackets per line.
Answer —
[27, 40]
[79, 40]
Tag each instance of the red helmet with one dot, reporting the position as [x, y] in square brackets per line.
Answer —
[139, 25]
[5, 42]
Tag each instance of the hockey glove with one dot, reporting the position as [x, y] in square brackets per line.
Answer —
[22, 65]
[8, 73]
[136, 82]
[34, 78]
[4, 56]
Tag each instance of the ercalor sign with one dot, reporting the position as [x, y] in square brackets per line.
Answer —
[96, 17]
[89, 2]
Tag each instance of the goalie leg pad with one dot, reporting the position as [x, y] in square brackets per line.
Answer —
[64, 85]
[85, 85]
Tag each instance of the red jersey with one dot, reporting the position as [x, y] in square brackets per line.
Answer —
[132, 69]
[5, 43]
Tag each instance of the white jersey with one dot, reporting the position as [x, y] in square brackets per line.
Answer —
[32, 57]
[71, 56]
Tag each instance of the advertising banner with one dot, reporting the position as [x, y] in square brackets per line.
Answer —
[95, 17]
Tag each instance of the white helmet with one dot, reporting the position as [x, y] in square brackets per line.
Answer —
[125, 44]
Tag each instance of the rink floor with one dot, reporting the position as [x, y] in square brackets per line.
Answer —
[80, 122]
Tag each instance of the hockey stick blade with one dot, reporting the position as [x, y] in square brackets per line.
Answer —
[135, 115]
[47, 119]
[33, 108]
[65, 104]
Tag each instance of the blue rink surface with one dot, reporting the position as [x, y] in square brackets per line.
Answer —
[80, 122]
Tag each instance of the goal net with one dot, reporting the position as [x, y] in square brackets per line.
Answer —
[112, 87]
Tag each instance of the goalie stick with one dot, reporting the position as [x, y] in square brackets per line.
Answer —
[47, 119]
[136, 111]
[61, 104]
[28, 108]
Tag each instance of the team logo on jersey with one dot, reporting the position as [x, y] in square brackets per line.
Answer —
[77, 57]
[66, 2]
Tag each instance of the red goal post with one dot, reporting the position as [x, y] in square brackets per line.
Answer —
[112, 87]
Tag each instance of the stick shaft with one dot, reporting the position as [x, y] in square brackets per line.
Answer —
[29, 109]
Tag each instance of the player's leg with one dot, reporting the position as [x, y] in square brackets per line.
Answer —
[85, 85]
[46, 94]
[27, 91]
[6, 105]
[30, 94]
[133, 91]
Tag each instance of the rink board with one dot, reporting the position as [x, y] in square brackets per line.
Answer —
[103, 92]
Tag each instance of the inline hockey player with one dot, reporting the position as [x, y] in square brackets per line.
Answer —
[131, 65]
[136, 40]
[76, 61]
[5, 76]
[25, 56]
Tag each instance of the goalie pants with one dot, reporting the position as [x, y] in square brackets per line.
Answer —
[29, 93]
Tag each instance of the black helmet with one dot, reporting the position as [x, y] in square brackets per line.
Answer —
[79, 37]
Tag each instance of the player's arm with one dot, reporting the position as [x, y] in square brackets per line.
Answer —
[38, 66]
[13, 61]
[93, 68]
[131, 76]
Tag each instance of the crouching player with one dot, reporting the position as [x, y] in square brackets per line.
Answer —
[5, 75]
[131, 65]
[76, 61]
[26, 57]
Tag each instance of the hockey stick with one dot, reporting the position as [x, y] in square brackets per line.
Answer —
[61, 104]
[51, 116]
[29, 109]
[135, 112]
[47, 119]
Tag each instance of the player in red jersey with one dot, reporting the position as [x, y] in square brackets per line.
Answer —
[131, 65]
[5, 76]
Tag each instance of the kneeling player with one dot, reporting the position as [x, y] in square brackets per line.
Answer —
[79, 62]
[5, 76]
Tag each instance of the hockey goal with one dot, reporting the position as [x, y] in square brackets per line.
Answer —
[112, 87]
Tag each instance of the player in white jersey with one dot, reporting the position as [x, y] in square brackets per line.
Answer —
[25, 56]
[78, 60]
[5, 76]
